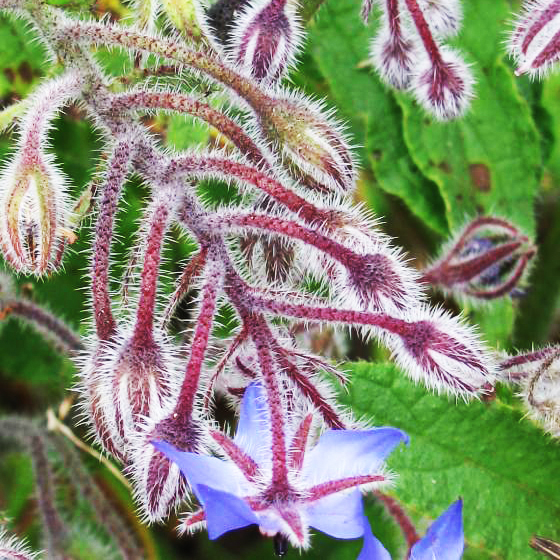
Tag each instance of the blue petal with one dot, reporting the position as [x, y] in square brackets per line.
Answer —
[224, 512]
[345, 453]
[372, 549]
[210, 471]
[253, 430]
[444, 539]
[338, 515]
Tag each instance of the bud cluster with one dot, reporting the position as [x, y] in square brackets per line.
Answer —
[147, 395]
[409, 53]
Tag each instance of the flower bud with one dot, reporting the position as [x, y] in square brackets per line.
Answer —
[265, 39]
[393, 49]
[12, 548]
[534, 42]
[538, 375]
[34, 217]
[393, 54]
[443, 85]
[159, 485]
[308, 141]
[444, 353]
[486, 260]
[126, 384]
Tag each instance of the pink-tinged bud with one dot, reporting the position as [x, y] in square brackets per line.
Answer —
[127, 383]
[541, 392]
[309, 140]
[266, 38]
[443, 85]
[443, 353]
[486, 260]
[34, 216]
[12, 548]
[159, 486]
[535, 40]
[93, 411]
[393, 50]
[393, 56]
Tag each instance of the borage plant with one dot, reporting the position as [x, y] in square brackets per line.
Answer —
[285, 250]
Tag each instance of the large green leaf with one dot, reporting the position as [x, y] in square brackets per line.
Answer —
[504, 467]
[338, 42]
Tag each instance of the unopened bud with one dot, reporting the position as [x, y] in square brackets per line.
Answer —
[486, 260]
[127, 384]
[393, 55]
[444, 86]
[159, 485]
[534, 42]
[443, 353]
[34, 214]
[309, 141]
[393, 50]
[541, 392]
[266, 38]
[33, 206]
[12, 548]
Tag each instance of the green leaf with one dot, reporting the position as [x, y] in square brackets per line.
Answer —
[504, 467]
[22, 58]
[338, 43]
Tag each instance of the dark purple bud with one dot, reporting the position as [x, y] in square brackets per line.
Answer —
[266, 38]
[486, 260]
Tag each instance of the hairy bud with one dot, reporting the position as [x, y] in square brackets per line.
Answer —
[486, 260]
[408, 53]
[266, 38]
[535, 40]
[443, 86]
[159, 485]
[34, 214]
[309, 140]
[12, 548]
[393, 49]
[443, 353]
[541, 391]
[126, 384]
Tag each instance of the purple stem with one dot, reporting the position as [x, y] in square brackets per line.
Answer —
[118, 167]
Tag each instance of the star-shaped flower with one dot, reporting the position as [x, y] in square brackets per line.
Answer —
[287, 491]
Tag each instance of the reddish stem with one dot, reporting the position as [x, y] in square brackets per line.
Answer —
[261, 336]
[117, 170]
[143, 330]
[402, 519]
[186, 104]
[185, 403]
[210, 166]
[424, 31]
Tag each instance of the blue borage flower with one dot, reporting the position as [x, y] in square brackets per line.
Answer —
[323, 490]
[323, 483]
